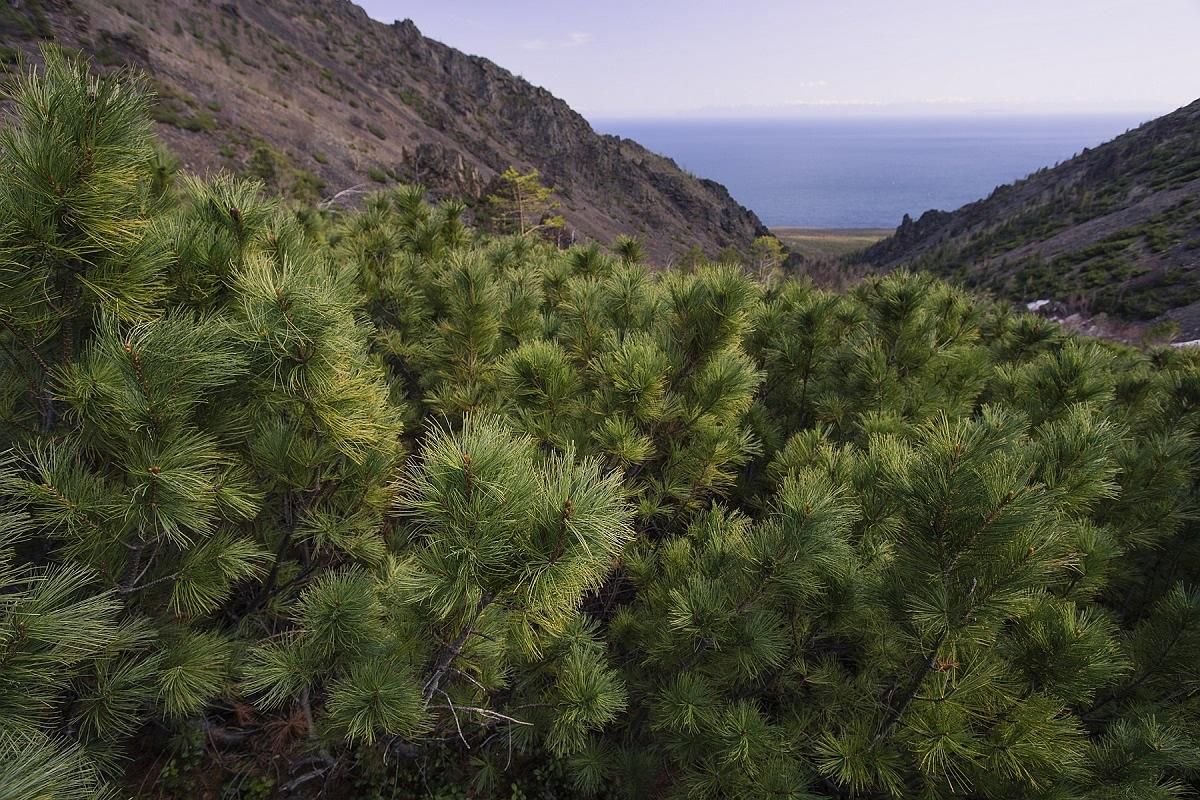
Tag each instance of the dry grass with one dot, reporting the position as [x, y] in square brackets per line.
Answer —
[829, 242]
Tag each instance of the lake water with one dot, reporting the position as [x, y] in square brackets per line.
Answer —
[869, 172]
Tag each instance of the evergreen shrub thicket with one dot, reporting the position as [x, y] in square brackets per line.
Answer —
[370, 505]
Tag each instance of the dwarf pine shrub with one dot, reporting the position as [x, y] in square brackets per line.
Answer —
[369, 504]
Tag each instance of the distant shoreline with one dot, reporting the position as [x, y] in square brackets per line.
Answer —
[829, 242]
[804, 230]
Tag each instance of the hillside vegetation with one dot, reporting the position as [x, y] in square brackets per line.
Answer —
[315, 98]
[366, 504]
[1114, 230]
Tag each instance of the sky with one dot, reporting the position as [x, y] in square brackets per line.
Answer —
[767, 58]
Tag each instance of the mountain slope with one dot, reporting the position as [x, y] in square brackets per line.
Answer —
[1115, 230]
[316, 97]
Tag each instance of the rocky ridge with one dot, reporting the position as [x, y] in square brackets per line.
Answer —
[317, 98]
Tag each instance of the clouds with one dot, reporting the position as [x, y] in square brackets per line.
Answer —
[573, 39]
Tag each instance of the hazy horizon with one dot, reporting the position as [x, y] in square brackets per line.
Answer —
[774, 58]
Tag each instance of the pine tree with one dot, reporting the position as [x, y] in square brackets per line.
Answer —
[228, 414]
[767, 256]
[629, 249]
[522, 204]
[485, 583]
[79, 155]
[74, 675]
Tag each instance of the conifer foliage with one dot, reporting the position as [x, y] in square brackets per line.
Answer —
[367, 504]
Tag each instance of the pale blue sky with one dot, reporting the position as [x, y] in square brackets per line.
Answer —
[647, 58]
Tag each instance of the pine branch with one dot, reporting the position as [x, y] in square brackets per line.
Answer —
[454, 714]
[446, 659]
[139, 587]
[49, 414]
[28, 347]
[488, 713]
[133, 568]
[285, 541]
[910, 692]
[1148, 673]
